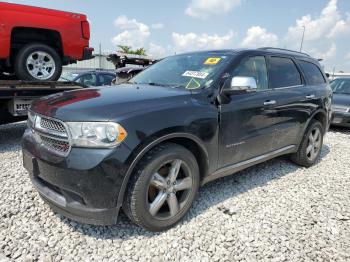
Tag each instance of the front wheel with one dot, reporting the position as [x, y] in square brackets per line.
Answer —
[311, 145]
[38, 62]
[162, 188]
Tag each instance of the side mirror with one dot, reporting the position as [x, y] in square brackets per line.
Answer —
[240, 83]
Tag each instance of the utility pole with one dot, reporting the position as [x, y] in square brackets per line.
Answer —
[100, 57]
[302, 39]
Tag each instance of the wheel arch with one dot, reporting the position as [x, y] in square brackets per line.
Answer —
[189, 141]
[21, 36]
[319, 115]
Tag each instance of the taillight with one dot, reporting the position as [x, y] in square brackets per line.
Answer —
[85, 29]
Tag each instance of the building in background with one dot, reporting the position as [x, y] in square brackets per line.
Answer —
[99, 62]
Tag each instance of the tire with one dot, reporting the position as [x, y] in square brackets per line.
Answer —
[304, 157]
[142, 197]
[38, 62]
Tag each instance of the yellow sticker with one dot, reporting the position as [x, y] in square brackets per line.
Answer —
[212, 61]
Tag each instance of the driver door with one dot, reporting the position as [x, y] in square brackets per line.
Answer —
[247, 120]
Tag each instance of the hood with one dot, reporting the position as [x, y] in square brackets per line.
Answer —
[341, 99]
[108, 103]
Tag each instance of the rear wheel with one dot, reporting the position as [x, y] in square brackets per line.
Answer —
[162, 188]
[38, 62]
[311, 145]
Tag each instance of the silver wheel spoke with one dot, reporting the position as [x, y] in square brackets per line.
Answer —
[183, 184]
[311, 138]
[309, 149]
[174, 171]
[157, 203]
[173, 204]
[316, 135]
[158, 181]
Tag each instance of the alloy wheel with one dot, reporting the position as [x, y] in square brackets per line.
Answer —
[40, 65]
[314, 144]
[169, 189]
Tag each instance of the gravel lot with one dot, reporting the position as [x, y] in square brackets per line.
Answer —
[275, 211]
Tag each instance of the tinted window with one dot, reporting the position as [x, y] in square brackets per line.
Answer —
[87, 80]
[254, 67]
[283, 73]
[341, 86]
[312, 73]
[106, 79]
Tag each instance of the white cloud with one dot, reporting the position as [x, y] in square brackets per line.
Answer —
[205, 8]
[157, 26]
[347, 57]
[156, 50]
[341, 28]
[133, 33]
[327, 54]
[192, 41]
[257, 37]
[320, 32]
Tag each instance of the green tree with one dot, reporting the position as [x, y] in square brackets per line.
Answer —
[128, 50]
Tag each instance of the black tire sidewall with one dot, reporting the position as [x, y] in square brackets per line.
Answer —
[146, 172]
[20, 62]
[302, 154]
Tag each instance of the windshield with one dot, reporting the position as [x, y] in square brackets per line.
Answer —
[341, 86]
[68, 76]
[190, 71]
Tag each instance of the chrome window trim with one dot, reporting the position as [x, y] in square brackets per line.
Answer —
[287, 87]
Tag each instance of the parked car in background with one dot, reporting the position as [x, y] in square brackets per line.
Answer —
[36, 42]
[124, 74]
[341, 102]
[148, 145]
[89, 78]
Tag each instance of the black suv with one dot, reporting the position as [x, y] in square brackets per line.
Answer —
[147, 146]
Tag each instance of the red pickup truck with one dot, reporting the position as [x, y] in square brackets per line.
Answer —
[36, 42]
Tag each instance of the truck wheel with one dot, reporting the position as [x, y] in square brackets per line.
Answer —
[311, 145]
[38, 62]
[162, 188]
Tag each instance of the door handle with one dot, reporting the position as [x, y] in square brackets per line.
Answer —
[269, 102]
[310, 96]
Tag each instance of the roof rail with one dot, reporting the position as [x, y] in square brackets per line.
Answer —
[283, 49]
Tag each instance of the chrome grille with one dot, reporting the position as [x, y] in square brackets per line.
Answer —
[55, 145]
[52, 134]
[52, 125]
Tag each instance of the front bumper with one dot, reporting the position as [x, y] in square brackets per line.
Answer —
[83, 186]
[340, 119]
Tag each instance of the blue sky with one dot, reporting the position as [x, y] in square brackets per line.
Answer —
[166, 27]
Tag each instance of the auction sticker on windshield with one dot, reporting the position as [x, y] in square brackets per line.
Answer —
[212, 61]
[196, 74]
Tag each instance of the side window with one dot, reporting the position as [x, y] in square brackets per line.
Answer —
[312, 73]
[105, 79]
[88, 80]
[254, 67]
[283, 72]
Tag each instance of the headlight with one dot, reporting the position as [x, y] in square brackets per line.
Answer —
[96, 134]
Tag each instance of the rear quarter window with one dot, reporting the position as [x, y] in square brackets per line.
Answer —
[283, 72]
[312, 73]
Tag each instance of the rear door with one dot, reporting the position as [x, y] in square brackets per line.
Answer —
[288, 85]
[246, 124]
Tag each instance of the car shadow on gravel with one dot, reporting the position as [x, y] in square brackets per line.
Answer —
[210, 196]
[10, 136]
[339, 129]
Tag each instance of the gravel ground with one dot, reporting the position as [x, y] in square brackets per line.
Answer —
[275, 211]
